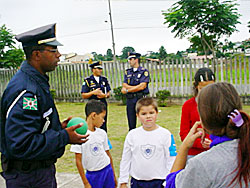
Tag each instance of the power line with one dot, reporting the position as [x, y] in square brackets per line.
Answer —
[118, 28]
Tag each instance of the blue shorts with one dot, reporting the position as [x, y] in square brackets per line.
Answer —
[156, 183]
[103, 178]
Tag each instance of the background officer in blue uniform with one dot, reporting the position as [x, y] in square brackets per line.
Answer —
[135, 86]
[31, 134]
[97, 87]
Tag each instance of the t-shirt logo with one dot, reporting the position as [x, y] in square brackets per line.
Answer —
[95, 149]
[147, 151]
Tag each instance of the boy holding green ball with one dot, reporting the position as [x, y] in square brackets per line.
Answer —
[94, 155]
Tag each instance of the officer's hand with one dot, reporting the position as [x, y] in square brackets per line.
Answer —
[97, 91]
[75, 138]
[65, 122]
[102, 95]
[123, 185]
[124, 90]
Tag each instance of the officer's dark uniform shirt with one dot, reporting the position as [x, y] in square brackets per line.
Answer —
[135, 78]
[91, 84]
[30, 125]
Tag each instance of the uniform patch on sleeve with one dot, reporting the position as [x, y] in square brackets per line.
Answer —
[146, 73]
[29, 103]
[172, 148]
[84, 83]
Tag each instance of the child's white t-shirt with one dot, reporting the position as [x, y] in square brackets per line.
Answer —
[147, 155]
[94, 156]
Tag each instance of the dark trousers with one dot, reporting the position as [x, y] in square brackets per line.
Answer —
[146, 184]
[131, 113]
[40, 178]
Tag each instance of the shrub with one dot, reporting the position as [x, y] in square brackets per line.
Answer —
[53, 93]
[119, 96]
[162, 96]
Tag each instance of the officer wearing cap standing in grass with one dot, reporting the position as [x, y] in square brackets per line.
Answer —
[97, 87]
[32, 136]
[135, 86]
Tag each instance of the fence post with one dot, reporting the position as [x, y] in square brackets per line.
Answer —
[164, 73]
[156, 76]
[221, 70]
[235, 72]
[182, 86]
[152, 78]
[231, 70]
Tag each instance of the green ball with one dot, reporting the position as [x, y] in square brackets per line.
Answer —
[75, 121]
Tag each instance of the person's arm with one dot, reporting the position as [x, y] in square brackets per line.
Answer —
[97, 92]
[132, 89]
[111, 162]
[186, 126]
[125, 163]
[181, 159]
[25, 138]
[108, 94]
[78, 157]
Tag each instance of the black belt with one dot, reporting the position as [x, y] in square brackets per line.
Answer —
[133, 95]
[27, 166]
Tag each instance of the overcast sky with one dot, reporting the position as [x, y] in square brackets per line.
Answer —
[81, 25]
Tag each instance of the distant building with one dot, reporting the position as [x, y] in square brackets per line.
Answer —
[75, 58]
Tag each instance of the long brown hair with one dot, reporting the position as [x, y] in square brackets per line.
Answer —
[215, 103]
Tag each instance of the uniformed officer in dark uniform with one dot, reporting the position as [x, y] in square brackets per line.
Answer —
[135, 86]
[31, 134]
[97, 87]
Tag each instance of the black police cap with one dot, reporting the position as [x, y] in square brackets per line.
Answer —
[204, 74]
[45, 35]
[97, 64]
[134, 55]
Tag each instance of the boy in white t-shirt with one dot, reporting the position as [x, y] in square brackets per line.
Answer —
[94, 155]
[149, 151]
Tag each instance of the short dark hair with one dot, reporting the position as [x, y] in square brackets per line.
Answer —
[202, 74]
[147, 101]
[28, 50]
[94, 106]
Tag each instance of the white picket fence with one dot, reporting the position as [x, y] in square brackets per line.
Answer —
[175, 75]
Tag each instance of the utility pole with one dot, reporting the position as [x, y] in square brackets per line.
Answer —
[112, 32]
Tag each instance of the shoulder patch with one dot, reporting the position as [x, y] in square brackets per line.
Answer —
[29, 103]
[146, 73]
[86, 81]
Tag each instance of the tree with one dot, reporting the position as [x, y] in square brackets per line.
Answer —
[125, 52]
[109, 55]
[162, 53]
[153, 55]
[10, 56]
[198, 45]
[212, 18]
